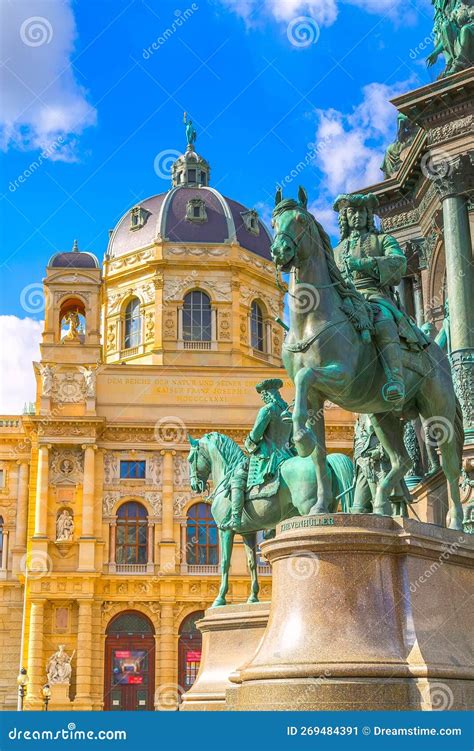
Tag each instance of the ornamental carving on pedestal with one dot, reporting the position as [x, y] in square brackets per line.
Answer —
[169, 323]
[149, 326]
[67, 386]
[66, 466]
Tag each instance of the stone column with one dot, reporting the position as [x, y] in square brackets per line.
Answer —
[167, 690]
[36, 665]
[418, 300]
[150, 543]
[168, 545]
[22, 508]
[86, 542]
[84, 655]
[4, 563]
[453, 189]
[113, 531]
[41, 505]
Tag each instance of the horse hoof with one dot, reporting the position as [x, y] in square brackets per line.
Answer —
[318, 508]
[218, 602]
[384, 510]
[253, 598]
[305, 443]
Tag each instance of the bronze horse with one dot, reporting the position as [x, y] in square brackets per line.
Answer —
[327, 358]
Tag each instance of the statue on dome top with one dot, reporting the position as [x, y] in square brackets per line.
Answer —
[191, 134]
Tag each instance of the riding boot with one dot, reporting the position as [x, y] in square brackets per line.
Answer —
[388, 342]
[237, 500]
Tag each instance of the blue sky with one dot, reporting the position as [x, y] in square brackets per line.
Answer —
[268, 83]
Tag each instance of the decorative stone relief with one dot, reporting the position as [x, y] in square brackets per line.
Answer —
[221, 289]
[90, 380]
[111, 336]
[154, 500]
[451, 129]
[154, 468]
[131, 260]
[225, 329]
[169, 323]
[149, 326]
[181, 471]
[179, 503]
[243, 330]
[66, 466]
[108, 502]
[111, 468]
[190, 251]
[249, 293]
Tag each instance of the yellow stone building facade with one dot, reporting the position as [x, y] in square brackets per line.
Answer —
[104, 548]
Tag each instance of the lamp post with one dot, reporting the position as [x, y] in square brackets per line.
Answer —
[22, 681]
[46, 691]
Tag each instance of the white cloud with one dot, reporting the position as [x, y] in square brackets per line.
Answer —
[324, 11]
[19, 346]
[42, 103]
[353, 143]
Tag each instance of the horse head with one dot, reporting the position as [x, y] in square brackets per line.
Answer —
[293, 226]
[199, 466]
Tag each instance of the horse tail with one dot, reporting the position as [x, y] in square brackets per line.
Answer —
[343, 479]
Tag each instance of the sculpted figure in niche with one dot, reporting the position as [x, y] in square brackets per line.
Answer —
[58, 668]
[64, 525]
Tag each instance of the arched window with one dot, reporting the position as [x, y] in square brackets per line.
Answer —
[133, 326]
[1, 540]
[201, 537]
[257, 338]
[189, 650]
[197, 317]
[131, 540]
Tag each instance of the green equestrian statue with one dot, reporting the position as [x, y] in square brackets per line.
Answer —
[375, 263]
[268, 443]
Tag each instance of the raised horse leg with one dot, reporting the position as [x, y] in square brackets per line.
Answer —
[226, 542]
[389, 430]
[250, 543]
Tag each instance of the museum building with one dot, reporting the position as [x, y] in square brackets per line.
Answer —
[107, 559]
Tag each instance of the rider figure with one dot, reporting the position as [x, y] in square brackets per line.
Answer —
[268, 443]
[374, 263]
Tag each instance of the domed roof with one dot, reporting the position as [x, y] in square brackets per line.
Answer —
[185, 214]
[74, 259]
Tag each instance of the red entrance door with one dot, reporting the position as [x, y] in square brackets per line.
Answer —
[129, 671]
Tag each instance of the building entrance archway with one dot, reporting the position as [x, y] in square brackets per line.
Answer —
[129, 663]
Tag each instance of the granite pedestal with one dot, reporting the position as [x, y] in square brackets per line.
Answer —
[368, 612]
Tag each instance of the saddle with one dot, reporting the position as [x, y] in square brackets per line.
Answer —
[269, 488]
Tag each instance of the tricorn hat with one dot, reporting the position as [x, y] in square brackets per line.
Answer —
[269, 384]
[369, 200]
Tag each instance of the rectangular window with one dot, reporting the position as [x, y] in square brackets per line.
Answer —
[133, 470]
[2, 478]
[191, 176]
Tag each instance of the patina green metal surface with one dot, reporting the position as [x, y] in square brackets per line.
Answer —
[217, 457]
[453, 34]
[328, 355]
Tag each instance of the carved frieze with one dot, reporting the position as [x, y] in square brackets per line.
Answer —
[451, 129]
[131, 259]
[196, 251]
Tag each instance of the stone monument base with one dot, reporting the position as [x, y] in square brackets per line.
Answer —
[368, 612]
[59, 700]
[230, 636]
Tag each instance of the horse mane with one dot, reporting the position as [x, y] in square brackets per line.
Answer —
[228, 449]
[354, 304]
